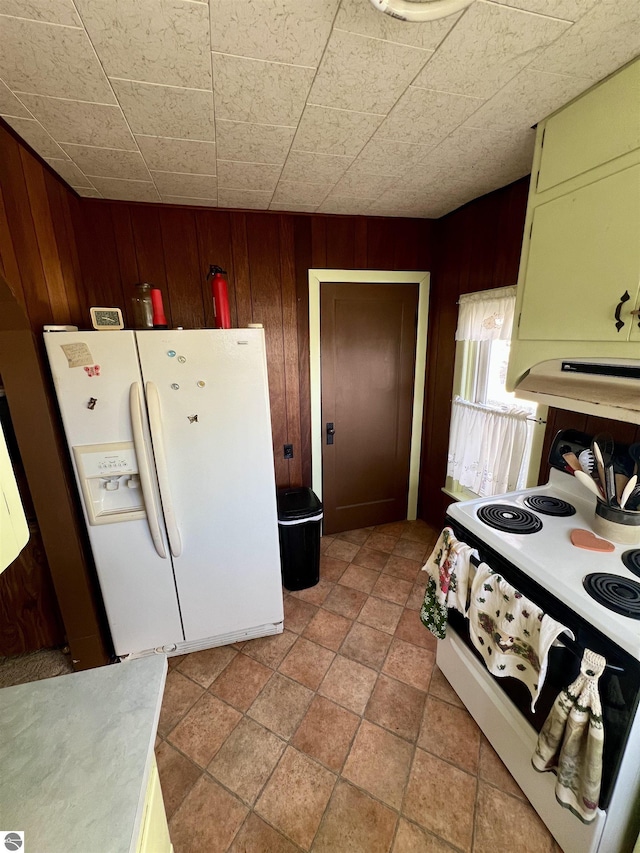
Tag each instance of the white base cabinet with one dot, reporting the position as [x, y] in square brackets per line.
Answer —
[154, 837]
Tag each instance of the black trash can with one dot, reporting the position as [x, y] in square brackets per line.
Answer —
[299, 520]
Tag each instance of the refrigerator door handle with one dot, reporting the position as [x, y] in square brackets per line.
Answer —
[155, 424]
[148, 491]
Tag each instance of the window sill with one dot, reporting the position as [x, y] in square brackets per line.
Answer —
[459, 494]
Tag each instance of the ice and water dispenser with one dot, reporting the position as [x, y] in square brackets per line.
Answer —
[110, 483]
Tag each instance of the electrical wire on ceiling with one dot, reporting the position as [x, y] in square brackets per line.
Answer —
[426, 10]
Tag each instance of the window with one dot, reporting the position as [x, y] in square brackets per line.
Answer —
[492, 433]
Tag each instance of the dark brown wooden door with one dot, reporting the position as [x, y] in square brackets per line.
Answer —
[368, 341]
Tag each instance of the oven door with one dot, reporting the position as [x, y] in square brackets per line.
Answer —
[502, 709]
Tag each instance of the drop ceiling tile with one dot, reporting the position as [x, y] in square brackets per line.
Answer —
[243, 199]
[390, 156]
[52, 11]
[346, 205]
[357, 16]
[10, 105]
[293, 208]
[487, 48]
[329, 131]
[598, 44]
[86, 192]
[382, 167]
[362, 184]
[81, 123]
[424, 117]
[157, 41]
[166, 110]
[293, 31]
[263, 92]
[36, 136]
[314, 167]
[109, 162]
[193, 202]
[126, 190]
[253, 143]
[69, 172]
[568, 10]
[248, 176]
[300, 192]
[178, 155]
[193, 186]
[51, 60]
[527, 99]
[362, 73]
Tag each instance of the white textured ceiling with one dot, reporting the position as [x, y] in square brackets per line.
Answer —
[302, 105]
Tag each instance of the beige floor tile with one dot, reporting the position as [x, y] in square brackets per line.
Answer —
[207, 820]
[270, 651]
[366, 645]
[342, 550]
[180, 694]
[356, 823]
[501, 818]
[383, 615]
[394, 528]
[400, 567]
[410, 550]
[241, 681]
[281, 705]
[256, 836]
[369, 558]
[382, 542]
[246, 759]
[177, 776]
[315, 594]
[379, 762]
[349, 684]
[416, 596]
[332, 569]
[409, 663]
[419, 531]
[441, 798]
[492, 770]
[392, 589]
[357, 537]
[396, 706]
[345, 601]
[411, 630]
[206, 665]
[411, 839]
[360, 578]
[201, 733]
[296, 796]
[307, 663]
[440, 687]
[450, 733]
[328, 629]
[326, 733]
[297, 614]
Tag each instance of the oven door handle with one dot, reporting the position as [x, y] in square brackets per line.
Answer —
[573, 647]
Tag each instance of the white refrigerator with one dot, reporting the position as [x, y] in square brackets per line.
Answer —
[169, 435]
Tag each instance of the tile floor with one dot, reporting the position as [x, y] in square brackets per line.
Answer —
[339, 735]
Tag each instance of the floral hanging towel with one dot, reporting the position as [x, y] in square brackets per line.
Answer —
[572, 738]
[447, 586]
[512, 634]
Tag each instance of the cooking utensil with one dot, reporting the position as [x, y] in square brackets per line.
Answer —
[588, 483]
[572, 461]
[599, 465]
[628, 489]
[634, 453]
[587, 462]
[621, 484]
[633, 501]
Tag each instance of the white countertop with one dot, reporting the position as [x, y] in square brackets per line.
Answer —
[75, 756]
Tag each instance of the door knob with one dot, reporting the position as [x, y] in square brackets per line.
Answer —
[330, 433]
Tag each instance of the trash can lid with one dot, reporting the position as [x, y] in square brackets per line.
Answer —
[298, 503]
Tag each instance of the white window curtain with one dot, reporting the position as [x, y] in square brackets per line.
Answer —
[488, 445]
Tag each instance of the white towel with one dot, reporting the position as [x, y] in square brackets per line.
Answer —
[448, 583]
[512, 634]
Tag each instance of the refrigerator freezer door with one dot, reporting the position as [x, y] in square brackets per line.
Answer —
[137, 584]
[214, 407]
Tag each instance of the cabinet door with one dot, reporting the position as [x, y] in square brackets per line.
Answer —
[584, 254]
[154, 837]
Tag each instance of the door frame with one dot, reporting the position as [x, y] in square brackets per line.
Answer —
[422, 279]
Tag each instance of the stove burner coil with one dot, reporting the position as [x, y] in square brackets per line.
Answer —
[509, 519]
[631, 560]
[615, 593]
[549, 505]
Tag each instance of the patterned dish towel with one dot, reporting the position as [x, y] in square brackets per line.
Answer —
[572, 738]
[512, 634]
[448, 583]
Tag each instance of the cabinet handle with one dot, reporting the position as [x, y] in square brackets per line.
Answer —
[624, 298]
[636, 314]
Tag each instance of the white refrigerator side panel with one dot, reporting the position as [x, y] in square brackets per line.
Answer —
[137, 585]
[214, 403]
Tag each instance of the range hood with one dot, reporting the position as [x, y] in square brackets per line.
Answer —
[607, 387]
